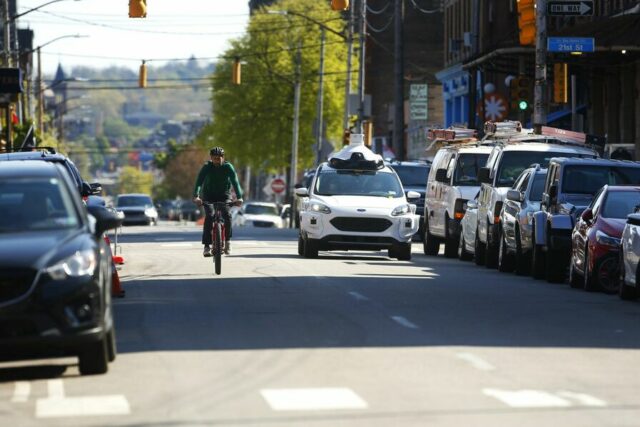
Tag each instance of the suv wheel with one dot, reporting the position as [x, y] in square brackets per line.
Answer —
[430, 243]
[310, 248]
[402, 252]
[462, 250]
[491, 253]
[450, 243]
[537, 258]
[300, 245]
[522, 262]
[505, 259]
[94, 358]
[575, 279]
[589, 283]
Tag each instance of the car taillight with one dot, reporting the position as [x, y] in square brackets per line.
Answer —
[459, 208]
[496, 213]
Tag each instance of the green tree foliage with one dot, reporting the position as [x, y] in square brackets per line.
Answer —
[132, 180]
[181, 171]
[253, 121]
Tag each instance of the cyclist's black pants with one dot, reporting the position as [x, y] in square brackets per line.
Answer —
[208, 223]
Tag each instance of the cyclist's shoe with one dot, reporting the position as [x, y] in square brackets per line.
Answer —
[227, 248]
[207, 251]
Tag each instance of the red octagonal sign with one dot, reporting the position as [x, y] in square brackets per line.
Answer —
[278, 185]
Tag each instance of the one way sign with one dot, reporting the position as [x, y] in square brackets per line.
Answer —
[570, 8]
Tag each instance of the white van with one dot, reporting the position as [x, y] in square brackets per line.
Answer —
[452, 181]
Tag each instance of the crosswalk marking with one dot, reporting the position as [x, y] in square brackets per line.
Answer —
[56, 405]
[21, 392]
[312, 399]
[543, 399]
[476, 361]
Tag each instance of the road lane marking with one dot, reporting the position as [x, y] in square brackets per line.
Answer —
[57, 405]
[21, 392]
[582, 399]
[527, 398]
[168, 239]
[476, 361]
[404, 322]
[177, 245]
[312, 399]
[358, 296]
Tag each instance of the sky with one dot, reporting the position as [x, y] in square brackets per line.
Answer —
[173, 29]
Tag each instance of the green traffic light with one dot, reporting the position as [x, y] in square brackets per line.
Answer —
[523, 105]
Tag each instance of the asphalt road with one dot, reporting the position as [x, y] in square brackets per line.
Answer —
[349, 339]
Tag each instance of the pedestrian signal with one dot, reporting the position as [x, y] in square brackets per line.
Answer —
[137, 8]
[527, 22]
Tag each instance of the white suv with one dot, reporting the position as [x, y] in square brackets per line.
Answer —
[506, 162]
[356, 202]
[453, 180]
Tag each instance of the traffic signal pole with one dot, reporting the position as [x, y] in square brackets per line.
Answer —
[540, 90]
[363, 39]
[319, 102]
[398, 116]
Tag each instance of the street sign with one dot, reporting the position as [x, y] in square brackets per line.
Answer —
[571, 44]
[418, 101]
[570, 8]
[278, 185]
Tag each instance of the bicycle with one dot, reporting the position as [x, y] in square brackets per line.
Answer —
[218, 235]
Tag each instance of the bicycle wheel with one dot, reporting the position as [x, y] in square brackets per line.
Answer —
[217, 247]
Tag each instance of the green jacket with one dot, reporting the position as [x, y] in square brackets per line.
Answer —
[214, 182]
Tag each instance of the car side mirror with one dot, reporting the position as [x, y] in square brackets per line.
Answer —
[298, 185]
[106, 218]
[472, 204]
[412, 195]
[96, 188]
[484, 175]
[587, 215]
[515, 195]
[86, 189]
[302, 192]
[441, 175]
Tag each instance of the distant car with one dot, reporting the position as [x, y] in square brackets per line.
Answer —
[300, 201]
[261, 214]
[596, 239]
[137, 209]
[630, 259]
[413, 176]
[285, 214]
[55, 269]
[468, 232]
[168, 209]
[188, 210]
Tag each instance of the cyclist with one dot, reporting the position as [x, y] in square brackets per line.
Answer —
[214, 185]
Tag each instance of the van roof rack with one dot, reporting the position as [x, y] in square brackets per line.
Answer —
[505, 128]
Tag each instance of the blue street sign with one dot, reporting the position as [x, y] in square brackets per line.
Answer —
[571, 44]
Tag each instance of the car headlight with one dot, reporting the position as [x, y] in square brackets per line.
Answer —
[605, 239]
[81, 263]
[401, 210]
[150, 212]
[319, 207]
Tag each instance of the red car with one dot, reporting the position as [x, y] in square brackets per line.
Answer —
[595, 240]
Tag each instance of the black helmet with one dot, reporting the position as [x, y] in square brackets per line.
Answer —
[216, 151]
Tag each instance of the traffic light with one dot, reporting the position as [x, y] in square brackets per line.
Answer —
[137, 8]
[142, 76]
[521, 89]
[527, 22]
[367, 127]
[339, 4]
[236, 72]
[346, 137]
[560, 95]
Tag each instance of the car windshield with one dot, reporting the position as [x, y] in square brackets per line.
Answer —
[514, 162]
[581, 179]
[358, 183]
[34, 204]
[260, 209]
[467, 168]
[619, 204]
[412, 176]
[127, 201]
[537, 187]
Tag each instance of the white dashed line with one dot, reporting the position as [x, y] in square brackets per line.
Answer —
[312, 399]
[358, 296]
[168, 239]
[582, 399]
[404, 322]
[177, 245]
[57, 405]
[476, 361]
[21, 392]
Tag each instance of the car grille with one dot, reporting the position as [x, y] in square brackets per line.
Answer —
[360, 224]
[15, 282]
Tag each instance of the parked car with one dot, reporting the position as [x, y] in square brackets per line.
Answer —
[188, 210]
[467, 244]
[413, 176]
[137, 209]
[168, 209]
[55, 269]
[630, 259]
[596, 238]
[356, 202]
[261, 214]
[285, 214]
[453, 180]
[522, 201]
[299, 203]
[570, 187]
[511, 156]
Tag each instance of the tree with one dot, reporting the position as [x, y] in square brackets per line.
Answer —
[181, 172]
[132, 180]
[253, 121]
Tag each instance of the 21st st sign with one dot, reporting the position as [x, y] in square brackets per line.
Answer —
[570, 8]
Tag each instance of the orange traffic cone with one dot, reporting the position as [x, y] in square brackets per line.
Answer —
[116, 287]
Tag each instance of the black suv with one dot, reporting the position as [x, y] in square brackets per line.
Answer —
[55, 269]
[50, 155]
[413, 175]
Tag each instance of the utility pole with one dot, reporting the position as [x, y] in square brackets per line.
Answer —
[363, 38]
[319, 104]
[540, 90]
[294, 140]
[347, 90]
[398, 68]
[40, 95]
[6, 40]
